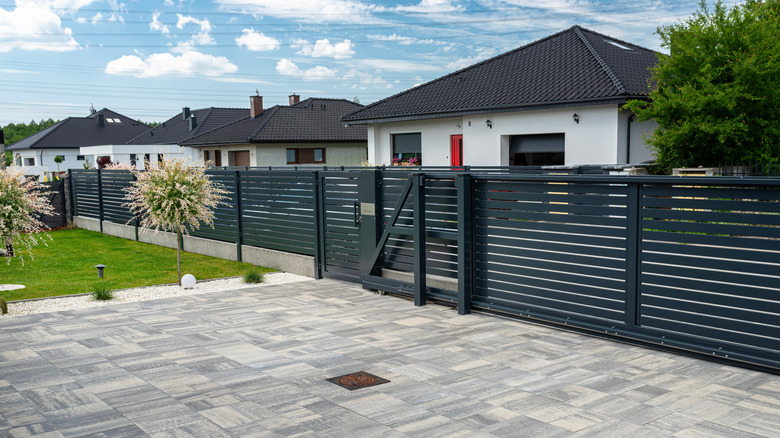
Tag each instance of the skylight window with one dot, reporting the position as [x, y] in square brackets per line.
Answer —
[617, 44]
[110, 120]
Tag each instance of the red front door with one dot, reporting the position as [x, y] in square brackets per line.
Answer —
[456, 150]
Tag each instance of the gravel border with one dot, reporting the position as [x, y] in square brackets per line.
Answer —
[83, 301]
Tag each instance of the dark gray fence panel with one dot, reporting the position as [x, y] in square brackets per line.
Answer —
[551, 247]
[114, 183]
[226, 222]
[86, 200]
[710, 264]
[278, 210]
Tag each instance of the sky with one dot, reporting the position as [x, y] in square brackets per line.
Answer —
[148, 59]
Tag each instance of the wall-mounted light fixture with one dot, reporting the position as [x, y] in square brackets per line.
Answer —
[576, 118]
[457, 126]
[489, 123]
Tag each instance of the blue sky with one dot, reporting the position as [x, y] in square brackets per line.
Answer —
[148, 59]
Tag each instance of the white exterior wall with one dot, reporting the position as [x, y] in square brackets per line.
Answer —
[435, 135]
[44, 160]
[275, 154]
[640, 151]
[121, 153]
[599, 137]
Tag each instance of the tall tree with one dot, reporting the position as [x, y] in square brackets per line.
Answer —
[716, 97]
[175, 197]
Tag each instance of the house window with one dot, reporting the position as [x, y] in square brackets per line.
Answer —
[537, 150]
[160, 158]
[407, 147]
[62, 157]
[214, 156]
[29, 161]
[133, 159]
[80, 157]
[147, 158]
[306, 156]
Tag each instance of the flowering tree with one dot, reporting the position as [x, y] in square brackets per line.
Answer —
[22, 201]
[174, 197]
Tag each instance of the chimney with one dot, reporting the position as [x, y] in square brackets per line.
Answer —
[193, 122]
[294, 98]
[185, 113]
[255, 105]
[101, 120]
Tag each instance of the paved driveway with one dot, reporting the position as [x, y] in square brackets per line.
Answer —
[254, 362]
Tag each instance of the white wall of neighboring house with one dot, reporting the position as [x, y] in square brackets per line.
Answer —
[121, 153]
[44, 161]
[275, 154]
[600, 137]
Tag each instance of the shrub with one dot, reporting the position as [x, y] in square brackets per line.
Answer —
[3, 306]
[253, 276]
[22, 201]
[102, 292]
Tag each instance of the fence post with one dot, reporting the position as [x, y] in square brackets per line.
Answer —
[633, 237]
[319, 228]
[240, 236]
[465, 242]
[135, 215]
[100, 200]
[418, 189]
[369, 195]
[71, 201]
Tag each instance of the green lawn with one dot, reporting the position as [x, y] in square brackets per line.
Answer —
[67, 265]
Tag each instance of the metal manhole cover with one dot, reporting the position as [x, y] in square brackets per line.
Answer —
[360, 379]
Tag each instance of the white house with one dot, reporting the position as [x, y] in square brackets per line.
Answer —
[36, 153]
[556, 101]
[135, 155]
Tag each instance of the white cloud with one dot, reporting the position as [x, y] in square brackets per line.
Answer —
[204, 24]
[481, 55]
[431, 7]
[97, 17]
[156, 24]
[312, 11]
[34, 26]
[256, 41]
[166, 64]
[81, 20]
[323, 48]
[286, 67]
[404, 40]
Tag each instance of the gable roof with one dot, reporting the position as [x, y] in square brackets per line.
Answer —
[74, 132]
[177, 129]
[311, 120]
[575, 66]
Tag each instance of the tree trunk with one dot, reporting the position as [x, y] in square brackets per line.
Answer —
[9, 245]
[178, 253]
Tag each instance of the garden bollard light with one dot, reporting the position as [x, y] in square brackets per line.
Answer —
[100, 270]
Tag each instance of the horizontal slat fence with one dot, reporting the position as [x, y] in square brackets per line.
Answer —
[687, 262]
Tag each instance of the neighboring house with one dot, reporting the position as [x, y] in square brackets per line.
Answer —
[166, 138]
[556, 101]
[36, 153]
[308, 132]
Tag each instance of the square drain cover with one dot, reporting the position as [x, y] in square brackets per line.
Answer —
[360, 379]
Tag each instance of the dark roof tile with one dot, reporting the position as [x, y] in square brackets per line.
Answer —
[176, 130]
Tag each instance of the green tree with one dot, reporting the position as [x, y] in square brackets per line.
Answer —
[716, 97]
[173, 196]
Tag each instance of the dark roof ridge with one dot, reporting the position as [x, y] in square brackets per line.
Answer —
[615, 80]
[260, 126]
[200, 125]
[408, 90]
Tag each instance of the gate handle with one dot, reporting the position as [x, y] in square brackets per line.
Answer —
[357, 213]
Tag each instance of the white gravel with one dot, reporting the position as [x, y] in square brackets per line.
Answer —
[144, 293]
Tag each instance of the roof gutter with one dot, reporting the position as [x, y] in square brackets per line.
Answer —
[491, 109]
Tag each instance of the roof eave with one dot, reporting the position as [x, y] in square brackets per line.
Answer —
[491, 109]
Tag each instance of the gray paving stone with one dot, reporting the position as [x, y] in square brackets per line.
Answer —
[253, 362]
